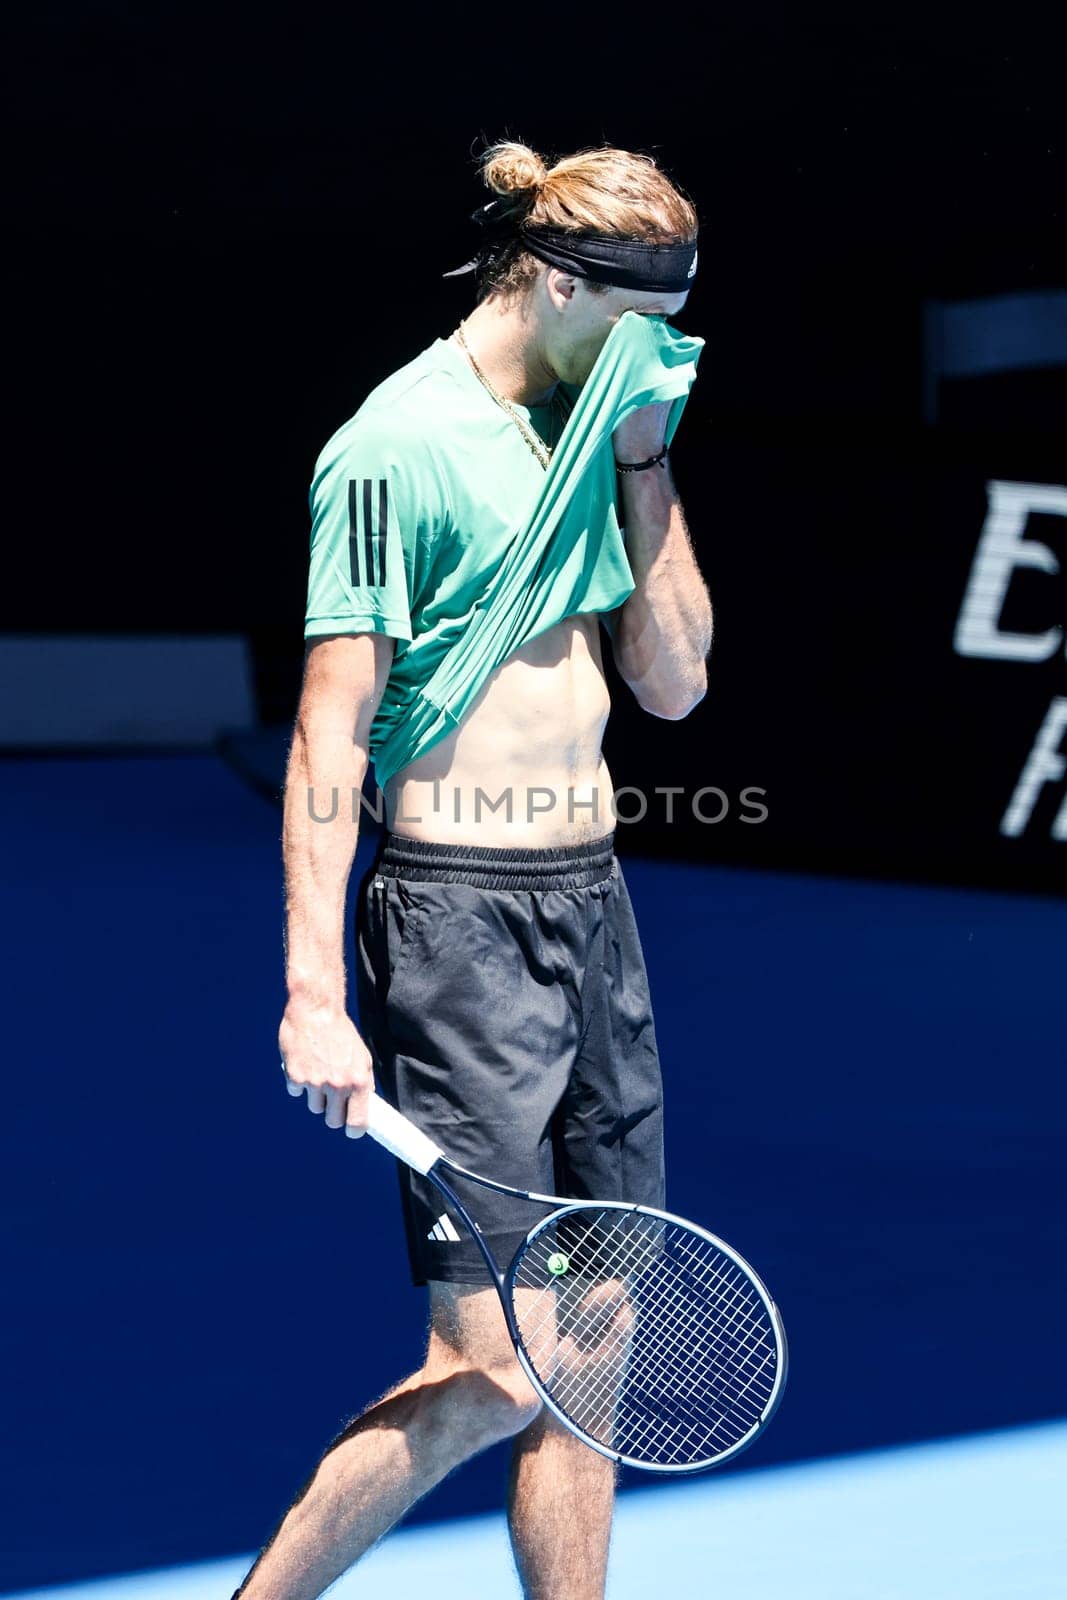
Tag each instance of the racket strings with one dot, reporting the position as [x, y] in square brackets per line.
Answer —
[713, 1374]
[730, 1403]
[610, 1415]
[535, 1274]
[741, 1334]
[708, 1367]
[646, 1335]
[672, 1304]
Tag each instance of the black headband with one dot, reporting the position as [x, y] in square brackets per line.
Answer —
[625, 263]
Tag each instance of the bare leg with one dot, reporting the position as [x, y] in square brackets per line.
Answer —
[562, 1495]
[469, 1394]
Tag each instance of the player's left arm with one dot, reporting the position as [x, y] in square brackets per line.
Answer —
[662, 633]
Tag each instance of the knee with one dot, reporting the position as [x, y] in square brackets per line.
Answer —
[514, 1402]
[492, 1402]
[487, 1395]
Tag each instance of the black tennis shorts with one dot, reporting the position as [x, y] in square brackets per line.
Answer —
[503, 996]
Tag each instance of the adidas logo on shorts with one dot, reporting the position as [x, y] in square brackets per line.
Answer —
[443, 1228]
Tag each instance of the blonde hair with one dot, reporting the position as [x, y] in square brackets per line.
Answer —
[619, 194]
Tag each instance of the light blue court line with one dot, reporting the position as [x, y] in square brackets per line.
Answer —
[977, 1518]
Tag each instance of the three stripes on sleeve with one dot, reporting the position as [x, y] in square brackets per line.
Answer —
[367, 532]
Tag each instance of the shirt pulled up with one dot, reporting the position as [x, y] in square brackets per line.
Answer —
[433, 521]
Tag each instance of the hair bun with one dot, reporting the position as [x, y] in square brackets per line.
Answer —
[513, 170]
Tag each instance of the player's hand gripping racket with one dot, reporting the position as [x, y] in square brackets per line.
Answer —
[649, 1338]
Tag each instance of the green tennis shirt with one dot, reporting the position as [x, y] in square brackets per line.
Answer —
[433, 521]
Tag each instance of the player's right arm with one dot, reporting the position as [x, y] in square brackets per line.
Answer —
[344, 680]
[374, 500]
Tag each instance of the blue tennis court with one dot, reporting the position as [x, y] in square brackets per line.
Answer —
[831, 1530]
[866, 1097]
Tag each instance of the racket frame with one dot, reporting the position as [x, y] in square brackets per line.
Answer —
[773, 1314]
[409, 1144]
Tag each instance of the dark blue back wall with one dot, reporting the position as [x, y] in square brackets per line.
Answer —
[226, 236]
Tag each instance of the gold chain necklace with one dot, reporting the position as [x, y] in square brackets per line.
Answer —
[541, 450]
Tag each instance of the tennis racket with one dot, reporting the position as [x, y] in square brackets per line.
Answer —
[647, 1336]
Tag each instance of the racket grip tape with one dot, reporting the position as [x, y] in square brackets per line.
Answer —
[401, 1137]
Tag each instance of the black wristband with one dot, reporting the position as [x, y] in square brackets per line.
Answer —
[639, 466]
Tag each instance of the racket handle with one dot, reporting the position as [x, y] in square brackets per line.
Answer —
[401, 1137]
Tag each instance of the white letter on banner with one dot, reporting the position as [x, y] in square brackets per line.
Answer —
[1044, 765]
[1002, 548]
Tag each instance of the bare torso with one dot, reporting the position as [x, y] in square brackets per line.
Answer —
[529, 747]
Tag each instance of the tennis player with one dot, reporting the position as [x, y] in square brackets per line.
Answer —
[502, 993]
